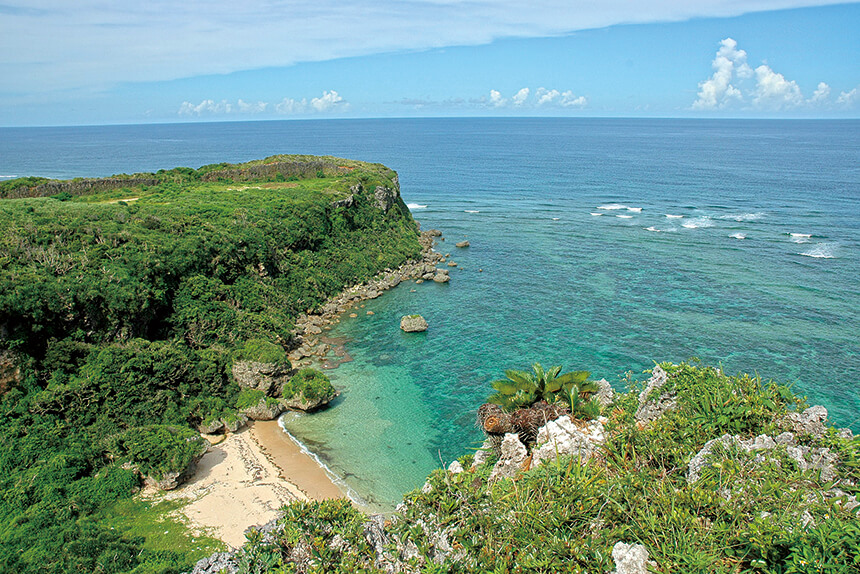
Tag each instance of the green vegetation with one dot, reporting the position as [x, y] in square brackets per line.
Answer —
[125, 301]
[309, 385]
[749, 511]
[522, 389]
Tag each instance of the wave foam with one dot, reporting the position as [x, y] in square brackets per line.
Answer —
[652, 228]
[635, 209]
[744, 216]
[596, 214]
[625, 216]
[471, 211]
[674, 216]
[8, 176]
[800, 237]
[822, 251]
[556, 218]
[738, 235]
[612, 206]
[416, 206]
[697, 222]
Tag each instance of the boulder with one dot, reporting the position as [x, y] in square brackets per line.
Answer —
[413, 323]
[563, 437]
[513, 456]
[261, 376]
[266, 409]
[211, 427]
[652, 404]
[300, 403]
[441, 278]
[630, 559]
[604, 395]
[234, 422]
[462, 244]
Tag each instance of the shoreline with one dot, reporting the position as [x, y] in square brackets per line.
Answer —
[245, 479]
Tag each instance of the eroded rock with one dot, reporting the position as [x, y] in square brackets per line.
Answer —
[513, 455]
[563, 437]
[413, 323]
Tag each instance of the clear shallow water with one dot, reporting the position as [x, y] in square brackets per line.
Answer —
[759, 274]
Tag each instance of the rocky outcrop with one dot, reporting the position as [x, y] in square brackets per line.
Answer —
[513, 457]
[300, 403]
[10, 371]
[462, 244]
[413, 323]
[653, 403]
[266, 409]
[562, 437]
[385, 197]
[605, 395]
[263, 377]
[630, 559]
[811, 421]
[172, 479]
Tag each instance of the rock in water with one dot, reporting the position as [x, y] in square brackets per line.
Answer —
[462, 244]
[413, 323]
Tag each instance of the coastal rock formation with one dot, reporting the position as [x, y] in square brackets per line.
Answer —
[652, 404]
[212, 426]
[562, 437]
[811, 421]
[301, 403]
[513, 456]
[260, 376]
[441, 278]
[462, 244]
[266, 409]
[630, 559]
[218, 563]
[413, 323]
[605, 394]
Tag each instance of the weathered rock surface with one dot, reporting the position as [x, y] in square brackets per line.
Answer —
[300, 403]
[234, 423]
[211, 427]
[264, 410]
[462, 244]
[413, 323]
[604, 395]
[10, 371]
[513, 455]
[659, 403]
[441, 278]
[630, 558]
[218, 563]
[562, 437]
[261, 376]
[811, 421]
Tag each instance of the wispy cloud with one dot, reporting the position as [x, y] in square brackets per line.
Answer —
[734, 85]
[522, 99]
[52, 44]
[329, 101]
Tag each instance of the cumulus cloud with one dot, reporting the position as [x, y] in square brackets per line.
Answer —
[564, 99]
[520, 97]
[774, 92]
[848, 98]
[717, 92]
[734, 85]
[328, 102]
[542, 98]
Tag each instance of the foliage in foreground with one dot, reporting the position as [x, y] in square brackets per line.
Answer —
[746, 513]
[124, 305]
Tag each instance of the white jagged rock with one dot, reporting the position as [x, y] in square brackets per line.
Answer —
[630, 558]
[512, 458]
[562, 437]
[455, 467]
[652, 409]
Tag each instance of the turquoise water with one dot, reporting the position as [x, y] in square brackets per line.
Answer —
[545, 279]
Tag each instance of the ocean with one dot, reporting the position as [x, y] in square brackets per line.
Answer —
[598, 244]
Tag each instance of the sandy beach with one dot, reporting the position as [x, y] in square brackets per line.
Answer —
[245, 479]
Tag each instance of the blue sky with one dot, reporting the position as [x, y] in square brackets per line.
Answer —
[96, 62]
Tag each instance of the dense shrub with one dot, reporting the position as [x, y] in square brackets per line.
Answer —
[309, 385]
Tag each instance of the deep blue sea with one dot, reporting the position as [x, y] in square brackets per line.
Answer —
[598, 244]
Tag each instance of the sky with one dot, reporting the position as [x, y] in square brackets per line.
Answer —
[117, 61]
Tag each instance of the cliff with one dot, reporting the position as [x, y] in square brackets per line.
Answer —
[125, 304]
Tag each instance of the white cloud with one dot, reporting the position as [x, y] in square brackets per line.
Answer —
[773, 92]
[54, 44]
[520, 97]
[717, 92]
[822, 94]
[556, 98]
[848, 98]
[496, 99]
[329, 101]
[734, 85]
